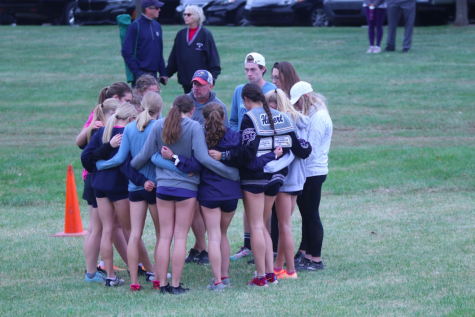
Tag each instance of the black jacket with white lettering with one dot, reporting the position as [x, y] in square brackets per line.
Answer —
[188, 57]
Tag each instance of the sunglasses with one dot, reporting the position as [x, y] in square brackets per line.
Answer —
[187, 14]
[153, 8]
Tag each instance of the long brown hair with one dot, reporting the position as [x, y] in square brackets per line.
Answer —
[254, 93]
[144, 82]
[172, 125]
[214, 126]
[119, 88]
[287, 75]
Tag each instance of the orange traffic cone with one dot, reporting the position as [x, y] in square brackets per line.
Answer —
[72, 221]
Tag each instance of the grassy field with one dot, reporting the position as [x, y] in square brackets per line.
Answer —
[398, 204]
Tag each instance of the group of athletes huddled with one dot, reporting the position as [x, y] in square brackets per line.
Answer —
[272, 154]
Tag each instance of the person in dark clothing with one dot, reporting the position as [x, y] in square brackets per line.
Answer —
[144, 55]
[408, 10]
[194, 49]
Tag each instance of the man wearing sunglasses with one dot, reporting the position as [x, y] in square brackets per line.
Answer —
[143, 44]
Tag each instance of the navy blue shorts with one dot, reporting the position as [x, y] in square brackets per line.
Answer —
[225, 205]
[88, 192]
[171, 197]
[111, 196]
[271, 189]
[296, 193]
[143, 195]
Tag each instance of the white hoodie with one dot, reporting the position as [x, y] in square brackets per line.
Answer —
[319, 136]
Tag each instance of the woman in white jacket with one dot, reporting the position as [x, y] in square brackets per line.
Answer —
[320, 133]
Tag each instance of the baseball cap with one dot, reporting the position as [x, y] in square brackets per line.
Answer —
[258, 59]
[298, 90]
[151, 3]
[203, 77]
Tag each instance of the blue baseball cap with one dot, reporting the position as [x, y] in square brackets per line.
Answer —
[151, 3]
[203, 77]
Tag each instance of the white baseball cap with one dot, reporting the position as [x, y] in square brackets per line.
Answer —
[258, 59]
[298, 90]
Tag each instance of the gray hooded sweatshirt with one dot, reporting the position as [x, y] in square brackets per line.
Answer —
[198, 114]
[192, 142]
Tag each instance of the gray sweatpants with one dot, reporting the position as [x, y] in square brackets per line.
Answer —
[408, 10]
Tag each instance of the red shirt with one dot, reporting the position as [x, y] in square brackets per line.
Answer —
[191, 33]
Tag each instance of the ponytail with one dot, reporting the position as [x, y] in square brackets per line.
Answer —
[119, 88]
[254, 93]
[100, 112]
[172, 125]
[123, 112]
[152, 104]
[214, 126]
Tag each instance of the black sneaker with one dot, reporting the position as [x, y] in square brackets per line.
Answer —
[299, 256]
[389, 49]
[178, 290]
[302, 266]
[142, 271]
[202, 258]
[192, 255]
[251, 261]
[114, 282]
[100, 269]
[314, 266]
[165, 289]
[149, 277]
[405, 50]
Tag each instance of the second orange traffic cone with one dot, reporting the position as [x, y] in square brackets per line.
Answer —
[72, 219]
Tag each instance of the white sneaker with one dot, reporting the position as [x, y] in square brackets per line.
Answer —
[370, 50]
[376, 49]
[242, 253]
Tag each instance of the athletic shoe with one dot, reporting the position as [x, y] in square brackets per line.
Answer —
[370, 50]
[405, 50]
[376, 49]
[280, 273]
[302, 266]
[272, 279]
[260, 282]
[178, 290]
[165, 289]
[314, 266]
[114, 282]
[214, 287]
[98, 278]
[251, 261]
[101, 269]
[389, 49]
[202, 258]
[225, 281]
[134, 288]
[141, 270]
[156, 285]
[299, 256]
[283, 274]
[242, 253]
[149, 277]
[192, 255]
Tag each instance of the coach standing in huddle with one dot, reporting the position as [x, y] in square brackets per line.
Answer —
[194, 49]
[143, 44]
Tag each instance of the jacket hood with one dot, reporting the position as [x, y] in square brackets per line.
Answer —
[230, 140]
[302, 122]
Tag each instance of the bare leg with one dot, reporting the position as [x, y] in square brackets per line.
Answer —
[122, 208]
[139, 212]
[199, 230]
[166, 213]
[154, 214]
[106, 214]
[254, 207]
[226, 218]
[182, 226]
[212, 219]
[92, 245]
[286, 241]
[269, 252]
[119, 239]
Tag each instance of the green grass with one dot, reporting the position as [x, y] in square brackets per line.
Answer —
[397, 205]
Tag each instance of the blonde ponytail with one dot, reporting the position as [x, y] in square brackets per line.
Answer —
[123, 112]
[100, 112]
[152, 104]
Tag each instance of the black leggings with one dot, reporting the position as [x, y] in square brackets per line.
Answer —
[309, 203]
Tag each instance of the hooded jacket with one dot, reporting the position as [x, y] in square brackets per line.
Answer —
[198, 113]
